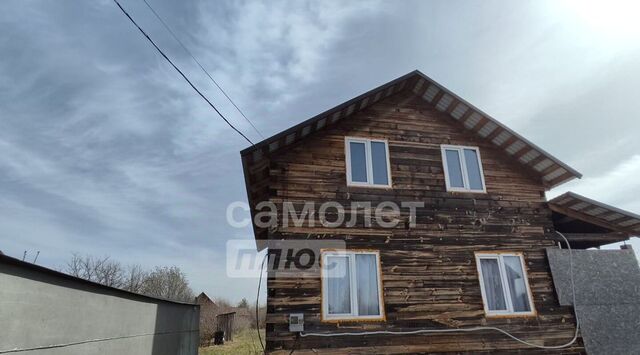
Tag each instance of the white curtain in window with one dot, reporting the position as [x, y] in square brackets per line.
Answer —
[517, 286]
[338, 285]
[367, 281]
[492, 285]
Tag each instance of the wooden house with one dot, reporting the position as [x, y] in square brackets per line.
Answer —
[473, 256]
[208, 312]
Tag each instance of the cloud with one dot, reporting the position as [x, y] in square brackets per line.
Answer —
[111, 152]
[105, 150]
[266, 48]
[619, 186]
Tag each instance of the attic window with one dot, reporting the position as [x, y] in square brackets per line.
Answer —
[462, 169]
[367, 162]
[503, 284]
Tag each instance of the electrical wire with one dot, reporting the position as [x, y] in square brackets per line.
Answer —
[474, 329]
[258, 300]
[295, 343]
[166, 26]
[180, 71]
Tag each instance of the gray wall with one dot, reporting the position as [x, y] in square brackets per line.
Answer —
[607, 286]
[40, 308]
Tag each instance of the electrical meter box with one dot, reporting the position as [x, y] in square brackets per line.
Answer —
[296, 322]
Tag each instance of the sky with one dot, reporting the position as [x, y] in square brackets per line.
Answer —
[107, 151]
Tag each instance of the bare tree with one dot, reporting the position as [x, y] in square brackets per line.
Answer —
[168, 282]
[224, 305]
[135, 276]
[262, 314]
[165, 282]
[243, 303]
[100, 270]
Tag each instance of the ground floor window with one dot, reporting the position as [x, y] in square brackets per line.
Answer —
[504, 285]
[351, 285]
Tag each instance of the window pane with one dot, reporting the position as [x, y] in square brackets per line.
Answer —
[379, 160]
[517, 285]
[453, 168]
[367, 279]
[338, 285]
[492, 285]
[473, 168]
[358, 162]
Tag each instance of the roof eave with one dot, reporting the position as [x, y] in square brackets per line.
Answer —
[565, 202]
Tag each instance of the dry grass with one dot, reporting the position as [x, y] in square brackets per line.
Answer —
[244, 342]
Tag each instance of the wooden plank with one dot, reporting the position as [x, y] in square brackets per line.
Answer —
[465, 116]
[452, 106]
[537, 160]
[560, 178]
[437, 98]
[600, 238]
[522, 152]
[551, 168]
[509, 141]
[496, 132]
[483, 121]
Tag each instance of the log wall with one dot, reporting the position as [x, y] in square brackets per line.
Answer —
[428, 271]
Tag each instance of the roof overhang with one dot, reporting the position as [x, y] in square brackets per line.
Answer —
[597, 213]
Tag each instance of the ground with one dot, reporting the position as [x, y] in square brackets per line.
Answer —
[244, 342]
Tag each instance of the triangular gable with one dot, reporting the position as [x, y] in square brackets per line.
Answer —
[551, 171]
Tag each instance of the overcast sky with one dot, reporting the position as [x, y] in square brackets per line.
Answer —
[106, 151]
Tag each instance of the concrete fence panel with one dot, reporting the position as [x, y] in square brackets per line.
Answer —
[53, 313]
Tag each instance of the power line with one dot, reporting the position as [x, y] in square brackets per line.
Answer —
[200, 65]
[180, 71]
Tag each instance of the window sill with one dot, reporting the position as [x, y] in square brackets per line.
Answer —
[467, 191]
[354, 319]
[383, 187]
[532, 314]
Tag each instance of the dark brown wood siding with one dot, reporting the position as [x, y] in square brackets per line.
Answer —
[428, 271]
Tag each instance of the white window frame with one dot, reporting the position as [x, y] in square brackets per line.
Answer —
[369, 163]
[463, 166]
[353, 316]
[505, 285]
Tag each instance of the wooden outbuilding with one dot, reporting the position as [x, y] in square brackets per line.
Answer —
[224, 323]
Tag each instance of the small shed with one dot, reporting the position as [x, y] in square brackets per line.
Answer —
[224, 322]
